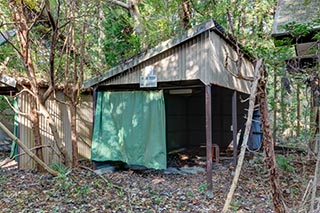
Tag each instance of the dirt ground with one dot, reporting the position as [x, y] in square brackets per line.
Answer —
[172, 190]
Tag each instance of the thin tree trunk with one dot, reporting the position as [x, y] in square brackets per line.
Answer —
[27, 151]
[316, 172]
[185, 14]
[132, 7]
[275, 106]
[37, 136]
[23, 38]
[298, 110]
[283, 112]
[245, 137]
[268, 144]
[73, 112]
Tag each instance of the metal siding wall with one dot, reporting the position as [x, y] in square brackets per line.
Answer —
[85, 125]
[61, 116]
[25, 129]
[221, 52]
[192, 59]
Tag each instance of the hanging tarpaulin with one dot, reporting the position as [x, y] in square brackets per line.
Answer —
[14, 146]
[130, 127]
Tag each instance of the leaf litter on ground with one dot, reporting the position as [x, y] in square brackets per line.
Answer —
[82, 190]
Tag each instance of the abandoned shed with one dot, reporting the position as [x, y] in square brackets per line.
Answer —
[184, 93]
[61, 115]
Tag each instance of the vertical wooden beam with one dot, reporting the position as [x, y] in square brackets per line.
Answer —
[208, 108]
[234, 127]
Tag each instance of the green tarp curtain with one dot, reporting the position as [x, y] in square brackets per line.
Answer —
[14, 146]
[130, 127]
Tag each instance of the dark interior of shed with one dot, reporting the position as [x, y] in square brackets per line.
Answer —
[186, 126]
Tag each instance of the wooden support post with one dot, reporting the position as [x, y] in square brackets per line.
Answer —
[234, 127]
[208, 108]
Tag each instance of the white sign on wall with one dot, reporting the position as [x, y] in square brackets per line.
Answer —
[149, 79]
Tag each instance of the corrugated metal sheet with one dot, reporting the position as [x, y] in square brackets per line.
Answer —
[222, 68]
[207, 57]
[61, 116]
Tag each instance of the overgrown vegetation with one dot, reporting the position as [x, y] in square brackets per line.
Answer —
[68, 42]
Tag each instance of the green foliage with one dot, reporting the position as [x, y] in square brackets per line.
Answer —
[121, 42]
[203, 187]
[63, 182]
[283, 163]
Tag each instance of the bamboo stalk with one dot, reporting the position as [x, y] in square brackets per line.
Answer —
[245, 137]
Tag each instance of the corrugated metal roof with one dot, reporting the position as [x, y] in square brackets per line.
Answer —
[298, 11]
[162, 47]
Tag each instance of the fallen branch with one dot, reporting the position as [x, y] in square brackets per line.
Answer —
[246, 135]
[27, 151]
[20, 154]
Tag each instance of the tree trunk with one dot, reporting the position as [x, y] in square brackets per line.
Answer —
[298, 110]
[185, 14]
[268, 144]
[136, 16]
[73, 112]
[283, 111]
[275, 106]
[23, 38]
[37, 136]
[132, 7]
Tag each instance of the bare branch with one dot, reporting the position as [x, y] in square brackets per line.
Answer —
[120, 3]
[16, 110]
[23, 153]
[34, 21]
[13, 46]
[48, 92]
[25, 89]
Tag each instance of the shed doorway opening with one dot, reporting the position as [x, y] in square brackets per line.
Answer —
[185, 118]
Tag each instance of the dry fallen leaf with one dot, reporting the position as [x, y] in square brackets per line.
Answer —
[157, 180]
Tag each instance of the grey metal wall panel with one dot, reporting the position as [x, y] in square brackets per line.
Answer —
[85, 125]
[61, 117]
[222, 66]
